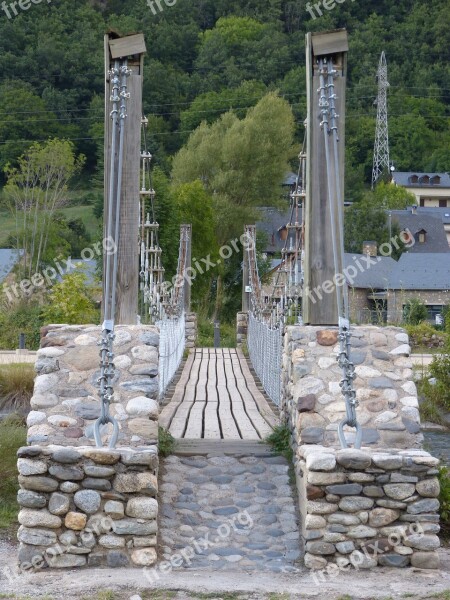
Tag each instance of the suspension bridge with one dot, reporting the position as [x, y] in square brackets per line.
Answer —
[296, 366]
[217, 397]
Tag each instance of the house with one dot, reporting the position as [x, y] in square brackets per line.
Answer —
[274, 224]
[432, 190]
[381, 291]
[426, 228]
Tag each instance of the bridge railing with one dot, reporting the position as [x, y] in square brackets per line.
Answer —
[171, 348]
[265, 351]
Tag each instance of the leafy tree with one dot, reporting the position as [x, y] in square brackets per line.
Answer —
[240, 162]
[389, 196]
[35, 190]
[71, 302]
[195, 206]
[365, 221]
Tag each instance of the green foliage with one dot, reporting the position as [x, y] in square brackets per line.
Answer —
[166, 442]
[414, 312]
[440, 370]
[280, 440]
[241, 162]
[16, 386]
[444, 500]
[12, 437]
[364, 221]
[424, 336]
[390, 196]
[205, 337]
[23, 317]
[36, 188]
[71, 302]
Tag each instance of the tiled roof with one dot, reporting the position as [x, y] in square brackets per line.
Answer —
[435, 238]
[407, 179]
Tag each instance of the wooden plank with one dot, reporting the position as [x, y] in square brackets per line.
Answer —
[211, 417]
[244, 424]
[195, 421]
[127, 46]
[192, 447]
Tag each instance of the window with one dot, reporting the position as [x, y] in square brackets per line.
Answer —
[422, 236]
[425, 180]
[413, 179]
[433, 310]
[443, 203]
[435, 180]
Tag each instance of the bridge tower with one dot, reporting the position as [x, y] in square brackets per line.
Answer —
[319, 304]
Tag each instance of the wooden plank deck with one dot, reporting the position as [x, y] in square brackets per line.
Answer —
[216, 398]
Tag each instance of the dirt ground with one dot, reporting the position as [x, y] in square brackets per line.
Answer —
[123, 584]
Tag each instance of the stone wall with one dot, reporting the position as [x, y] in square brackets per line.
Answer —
[191, 330]
[312, 401]
[81, 505]
[241, 328]
[368, 507]
[87, 506]
[65, 403]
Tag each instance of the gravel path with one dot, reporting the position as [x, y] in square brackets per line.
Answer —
[229, 512]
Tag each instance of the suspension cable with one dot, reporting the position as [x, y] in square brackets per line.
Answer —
[327, 106]
[118, 74]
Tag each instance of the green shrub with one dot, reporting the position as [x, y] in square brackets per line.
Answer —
[414, 312]
[12, 437]
[425, 336]
[16, 386]
[71, 302]
[444, 499]
[166, 442]
[24, 317]
[206, 335]
[280, 440]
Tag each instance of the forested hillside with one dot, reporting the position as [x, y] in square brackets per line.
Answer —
[207, 56]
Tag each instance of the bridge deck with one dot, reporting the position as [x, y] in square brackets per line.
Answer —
[216, 398]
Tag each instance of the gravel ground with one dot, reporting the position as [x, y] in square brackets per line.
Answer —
[122, 584]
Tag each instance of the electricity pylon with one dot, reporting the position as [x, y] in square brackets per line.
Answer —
[381, 149]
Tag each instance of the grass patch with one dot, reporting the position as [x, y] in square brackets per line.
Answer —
[279, 597]
[205, 337]
[280, 441]
[16, 386]
[445, 595]
[166, 442]
[158, 594]
[217, 596]
[12, 437]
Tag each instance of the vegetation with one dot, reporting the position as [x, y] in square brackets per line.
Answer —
[444, 499]
[424, 337]
[225, 95]
[280, 440]
[206, 334]
[23, 317]
[16, 387]
[166, 442]
[414, 312]
[12, 437]
[71, 302]
[35, 189]
[435, 387]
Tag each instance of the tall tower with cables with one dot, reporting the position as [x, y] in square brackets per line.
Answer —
[381, 149]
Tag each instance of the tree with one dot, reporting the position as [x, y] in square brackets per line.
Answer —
[389, 196]
[364, 221]
[195, 206]
[241, 163]
[71, 302]
[35, 190]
